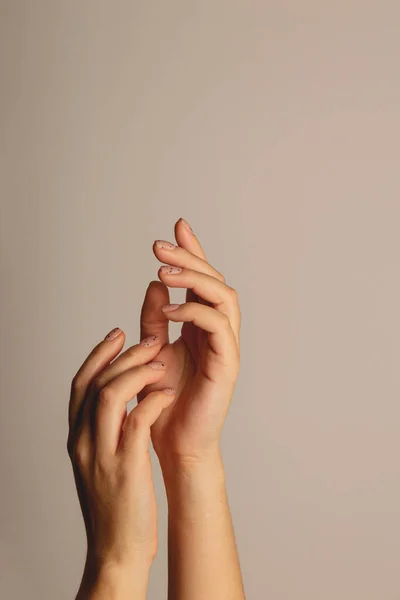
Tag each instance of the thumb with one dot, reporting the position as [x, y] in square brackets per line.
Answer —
[152, 319]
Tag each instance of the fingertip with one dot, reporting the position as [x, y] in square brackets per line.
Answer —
[167, 308]
[151, 340]
[170, 396]
[152, 283]
[170, 391]
[157, 365]
[185, 225]
[163, 245]
[187, 239]
[113, 334]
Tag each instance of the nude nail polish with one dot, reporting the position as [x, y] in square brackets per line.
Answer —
[165, 245]
[169, 391]
[113, 334]
[168, 270]
[186, 225]
[156, 364]
[151, 340]
[169, 307]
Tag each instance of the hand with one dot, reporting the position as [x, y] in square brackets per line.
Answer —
[203, 363]
[110, 459]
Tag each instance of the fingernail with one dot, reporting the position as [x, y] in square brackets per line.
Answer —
[169, 307]
[113, 333]
[186, 225]
[152, 340]
[169, 391]
[165, 245]
[156, 364]
[170, 270]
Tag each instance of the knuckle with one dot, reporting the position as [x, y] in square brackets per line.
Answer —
[131, 352]
[236, 362]
[189, 308]
[77, 383]
[101, 468]
[137, 421]
[80, 456]
[151, 324]
[97, 384]
[221, 277]
[70, 446]
[105, 397]
[224, 320]
[233, 293]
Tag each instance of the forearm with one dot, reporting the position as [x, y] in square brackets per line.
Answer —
[114, 583]
[203, 559]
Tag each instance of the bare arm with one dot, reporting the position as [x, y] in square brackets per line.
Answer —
[114, 582]
[203, 559]
[202, 365]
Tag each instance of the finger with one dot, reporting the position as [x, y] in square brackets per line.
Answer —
[98, 359]
[187, 239]
[139, 354]
[152, 320]
[220, 334]
[171, 254]
[136, 428]
[110, 409]
[223, 297]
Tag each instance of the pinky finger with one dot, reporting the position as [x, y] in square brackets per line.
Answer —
[136, 427]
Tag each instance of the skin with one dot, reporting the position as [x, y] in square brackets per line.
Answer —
[203, 363]
[112, 469]
[109, 451]
[203, 366]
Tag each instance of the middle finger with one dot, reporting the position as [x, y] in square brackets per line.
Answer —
[219, 294]
[180, 257]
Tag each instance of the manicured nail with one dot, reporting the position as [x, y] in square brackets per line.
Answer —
[165, 245]
[167, 269]
[156, 364]
[169, 307]
[186, 225]
[113, 333]
[152, 340]
[169, 391]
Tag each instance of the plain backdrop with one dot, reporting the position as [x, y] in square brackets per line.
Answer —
[273, 127]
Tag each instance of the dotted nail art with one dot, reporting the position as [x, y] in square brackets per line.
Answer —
[165, 245]
[149, 341]
[156, 364]
[113, 333]
[171, 270]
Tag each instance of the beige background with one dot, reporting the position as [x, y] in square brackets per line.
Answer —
[273, 127]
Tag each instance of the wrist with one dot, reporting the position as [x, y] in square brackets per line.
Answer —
[195, 488]
[114, 581]
[205, 464]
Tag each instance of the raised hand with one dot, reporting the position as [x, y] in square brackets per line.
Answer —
[112, 468]
[203, 363]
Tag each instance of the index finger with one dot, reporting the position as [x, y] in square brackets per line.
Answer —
[110, 410]
[101, 356]
[187, 239]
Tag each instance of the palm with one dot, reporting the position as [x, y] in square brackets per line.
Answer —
[184, 426]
